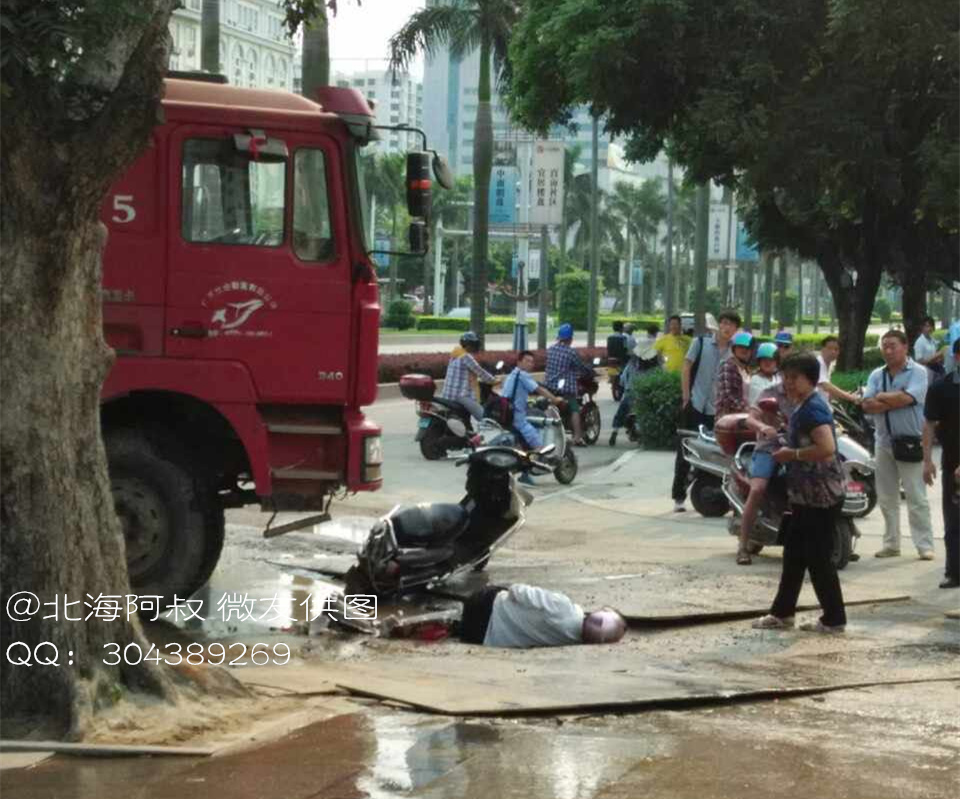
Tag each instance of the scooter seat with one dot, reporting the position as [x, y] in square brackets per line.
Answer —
[427, 525]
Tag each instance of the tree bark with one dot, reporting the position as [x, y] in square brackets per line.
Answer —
[315, 69]
[210, 36]
[852, 304]
[59, 532]
[914, 305]
[482, 165]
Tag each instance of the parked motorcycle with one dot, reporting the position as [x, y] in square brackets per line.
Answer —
[854, 422]
[711, 465]
[434, 435]
[424, 545]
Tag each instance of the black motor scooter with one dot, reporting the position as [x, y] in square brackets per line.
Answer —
[423, 545]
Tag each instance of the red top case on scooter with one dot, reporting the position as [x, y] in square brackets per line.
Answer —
[418, 387]
[731, 431]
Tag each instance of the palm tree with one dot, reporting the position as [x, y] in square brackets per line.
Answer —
[579, 218]
[210, 36]
[447, 207]
[466, 25]
[653, 210]
[315, 67]
[570, 157]
[626, 206]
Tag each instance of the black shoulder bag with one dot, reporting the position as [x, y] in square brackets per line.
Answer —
[907, 449]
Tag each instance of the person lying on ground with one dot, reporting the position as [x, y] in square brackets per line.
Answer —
[524, 616]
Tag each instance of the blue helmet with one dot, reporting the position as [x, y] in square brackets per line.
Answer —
[767, 350]
[565, 333]
[469, 338]
[783, 337]
[742, 339]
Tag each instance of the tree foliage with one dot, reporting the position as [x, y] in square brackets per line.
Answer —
[835, 120]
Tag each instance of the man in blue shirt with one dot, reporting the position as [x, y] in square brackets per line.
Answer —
[518, 386]
[894, 396]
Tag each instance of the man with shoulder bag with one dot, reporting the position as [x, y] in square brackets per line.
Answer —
[895, 396]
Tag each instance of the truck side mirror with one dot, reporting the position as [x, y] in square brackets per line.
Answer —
[441, 171]
[417, 237]
[418, 184]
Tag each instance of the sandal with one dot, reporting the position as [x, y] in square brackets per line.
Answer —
[743, 558]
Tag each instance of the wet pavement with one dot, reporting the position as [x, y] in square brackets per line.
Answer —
[608, 538]
[863, 744]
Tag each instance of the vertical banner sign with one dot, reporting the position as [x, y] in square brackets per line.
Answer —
[381, 259]
[547, 198]
[637, 274]
[746, 248]
[718, 241]
[533, 265]
[503, 195]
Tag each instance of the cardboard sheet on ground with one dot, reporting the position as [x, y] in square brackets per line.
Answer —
[468, 686]
[301, 680]
[663, 594]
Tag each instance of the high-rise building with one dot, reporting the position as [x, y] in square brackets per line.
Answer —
[398, 100]
[254, 47]
[450, 112]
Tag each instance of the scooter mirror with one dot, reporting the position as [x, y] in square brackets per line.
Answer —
[561, 383]
[457, 427]
[499, 365]
[596, 361]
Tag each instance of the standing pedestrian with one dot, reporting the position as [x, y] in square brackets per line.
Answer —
[673, 345]
[815, 487]
[894, 395]
[700, 368]
[942, 412]
[829, 352]
[925, 350]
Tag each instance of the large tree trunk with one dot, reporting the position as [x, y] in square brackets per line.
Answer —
[853, 306]
[315, 69]
[914, 305]
[60, 535]
[482, 165]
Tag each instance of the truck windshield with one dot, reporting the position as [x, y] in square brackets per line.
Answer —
[229, 198]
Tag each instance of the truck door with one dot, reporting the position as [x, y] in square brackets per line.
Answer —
[259, 270]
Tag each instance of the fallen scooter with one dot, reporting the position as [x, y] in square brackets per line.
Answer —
[424, 545]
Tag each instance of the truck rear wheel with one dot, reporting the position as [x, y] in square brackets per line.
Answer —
[172, 522]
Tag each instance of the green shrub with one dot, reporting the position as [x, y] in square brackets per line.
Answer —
[399, 315]
[789, 309]
[883, 309]
[872, 358]
[656, 402]
[574, 290]
[850, 381]
[495, 324]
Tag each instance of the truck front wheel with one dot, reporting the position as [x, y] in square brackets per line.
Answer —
[172, 521]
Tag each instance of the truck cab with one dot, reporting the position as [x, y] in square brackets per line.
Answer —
[242, 304]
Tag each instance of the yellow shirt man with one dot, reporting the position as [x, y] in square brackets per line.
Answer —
[673, 349]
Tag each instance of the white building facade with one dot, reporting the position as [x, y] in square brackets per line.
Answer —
[398, 100]
[254, 48]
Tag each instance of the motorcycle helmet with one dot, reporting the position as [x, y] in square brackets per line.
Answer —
[767, 350]
[742, 339]
[469, 339]
[565, 332]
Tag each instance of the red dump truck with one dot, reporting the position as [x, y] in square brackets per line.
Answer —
[241, 300]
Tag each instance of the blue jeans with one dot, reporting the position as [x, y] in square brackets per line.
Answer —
[530, 433]
[762, 464]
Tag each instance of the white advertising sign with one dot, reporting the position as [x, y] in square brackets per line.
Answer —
[718, 235]
[546, 201]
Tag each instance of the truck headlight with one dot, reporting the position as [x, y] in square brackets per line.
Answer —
[372, 459]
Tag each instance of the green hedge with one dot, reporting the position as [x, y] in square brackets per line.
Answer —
[495, 324]
[656, 402]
